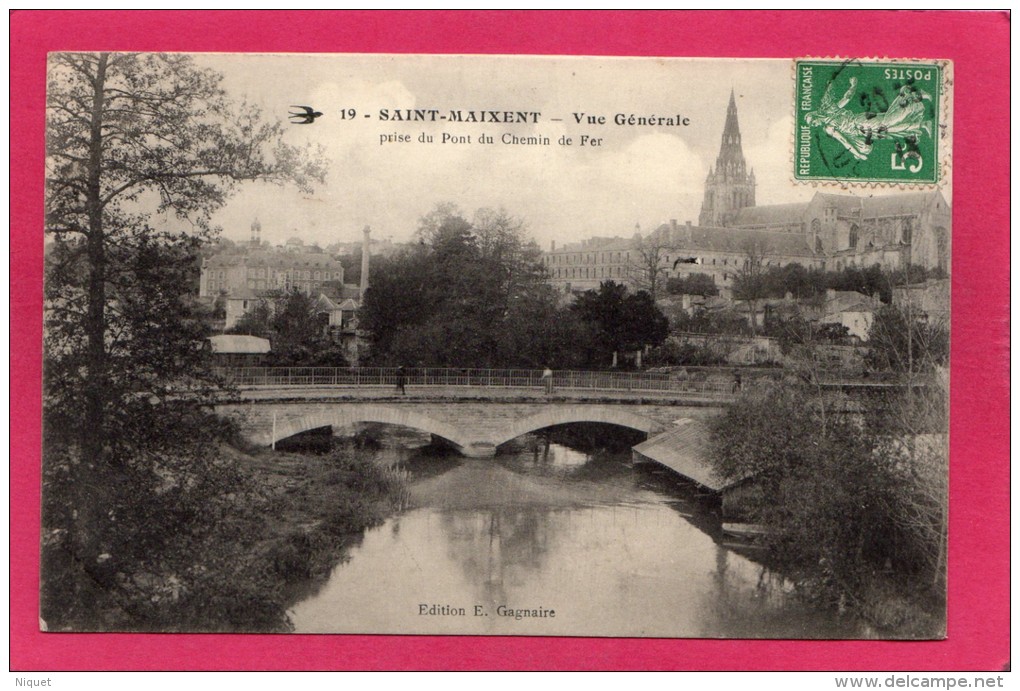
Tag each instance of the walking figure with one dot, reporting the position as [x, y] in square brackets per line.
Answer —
[401, 380]
[683, 378]
[547, 379]
[736, 382]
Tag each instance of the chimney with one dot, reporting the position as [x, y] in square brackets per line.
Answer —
[364, 263]
[552, 247]
[256, 233]
[688, 232]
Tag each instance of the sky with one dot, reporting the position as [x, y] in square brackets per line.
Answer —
[637, 176]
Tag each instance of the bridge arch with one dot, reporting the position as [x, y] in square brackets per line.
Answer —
[562, 415]
[347, 416]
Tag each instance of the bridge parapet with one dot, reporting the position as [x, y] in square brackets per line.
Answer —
[708, 381]
[691, 380]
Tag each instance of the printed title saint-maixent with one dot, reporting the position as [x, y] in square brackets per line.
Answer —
[527, 117]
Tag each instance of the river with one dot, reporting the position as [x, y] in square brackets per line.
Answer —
[547, 540]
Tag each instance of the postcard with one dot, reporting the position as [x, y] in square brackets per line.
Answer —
[497, 345]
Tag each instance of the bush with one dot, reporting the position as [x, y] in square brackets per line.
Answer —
[842, 501]
[673, 352]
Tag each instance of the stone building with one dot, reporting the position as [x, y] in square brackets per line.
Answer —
[243, 277]
[257, 268]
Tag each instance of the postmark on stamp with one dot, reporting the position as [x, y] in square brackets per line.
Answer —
[868, 121]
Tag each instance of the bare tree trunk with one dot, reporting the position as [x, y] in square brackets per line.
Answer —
[95, 484]
[94, 440]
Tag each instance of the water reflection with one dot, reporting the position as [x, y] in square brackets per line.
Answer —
[612, 549]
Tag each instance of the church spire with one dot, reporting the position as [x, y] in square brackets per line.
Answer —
[731, 153]
[728, 187]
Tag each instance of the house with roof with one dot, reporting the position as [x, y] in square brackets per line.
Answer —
[337, 307]
[851, 309]
[235, 350]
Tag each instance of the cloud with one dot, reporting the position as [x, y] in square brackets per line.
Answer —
[772, 160]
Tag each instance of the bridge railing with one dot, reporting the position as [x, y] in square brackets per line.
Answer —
[706, 380]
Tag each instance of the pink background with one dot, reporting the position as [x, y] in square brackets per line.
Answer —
[978, 43]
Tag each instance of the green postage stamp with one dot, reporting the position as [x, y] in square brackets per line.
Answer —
[868, 121]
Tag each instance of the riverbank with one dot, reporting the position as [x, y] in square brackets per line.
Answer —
[230, 562]
[319, 506]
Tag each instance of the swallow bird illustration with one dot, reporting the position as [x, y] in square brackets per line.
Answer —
[305, 118]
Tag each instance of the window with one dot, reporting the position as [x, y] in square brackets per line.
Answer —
[908, 230]
[854, 231]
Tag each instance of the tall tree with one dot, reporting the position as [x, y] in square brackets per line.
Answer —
[620, 320]
[135, 142]
[749, 284]
[126, 134]
[649, 265]
[901, 341]
[505, 248]
[472, 294]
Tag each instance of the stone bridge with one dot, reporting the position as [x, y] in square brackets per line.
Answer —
[475, 422]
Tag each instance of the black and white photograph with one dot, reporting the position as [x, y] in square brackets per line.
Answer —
[496, 345]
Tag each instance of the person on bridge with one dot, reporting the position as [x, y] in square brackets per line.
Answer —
[401, 380]
[547, 379]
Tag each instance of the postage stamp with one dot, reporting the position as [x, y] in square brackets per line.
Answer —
[868, 121]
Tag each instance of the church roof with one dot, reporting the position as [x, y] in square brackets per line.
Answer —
[735, 240]
[896, 204]
[842, 202]
[867, 207]
[773, 214]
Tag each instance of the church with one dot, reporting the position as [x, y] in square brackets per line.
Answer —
[830, 232]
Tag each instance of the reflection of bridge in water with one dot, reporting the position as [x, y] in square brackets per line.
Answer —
[477, 410]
